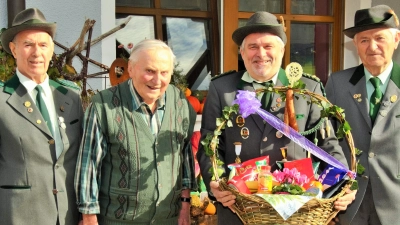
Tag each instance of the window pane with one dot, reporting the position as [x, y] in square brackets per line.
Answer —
[312, 7]
[138, 29]
[311, 47]
[190, 42]
[135, 3]
[199, 5]
[272, 6]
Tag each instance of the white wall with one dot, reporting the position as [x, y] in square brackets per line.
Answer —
[3, 14]
[70, 16]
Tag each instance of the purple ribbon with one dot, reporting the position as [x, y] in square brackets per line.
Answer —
[249, 104]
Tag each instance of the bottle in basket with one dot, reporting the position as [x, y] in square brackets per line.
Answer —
[264, 180]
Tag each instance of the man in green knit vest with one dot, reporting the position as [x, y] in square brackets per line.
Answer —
[135, 164]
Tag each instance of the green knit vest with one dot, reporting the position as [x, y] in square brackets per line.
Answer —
[141, 175]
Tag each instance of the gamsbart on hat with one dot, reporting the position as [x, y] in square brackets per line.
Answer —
[380, 16]
[259, 22]
[28, 19]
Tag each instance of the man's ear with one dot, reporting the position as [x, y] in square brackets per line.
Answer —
[397, 39]
[12, 46]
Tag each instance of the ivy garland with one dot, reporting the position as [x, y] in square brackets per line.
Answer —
[211, 141]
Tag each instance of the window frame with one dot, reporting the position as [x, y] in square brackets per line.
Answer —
[231, 13]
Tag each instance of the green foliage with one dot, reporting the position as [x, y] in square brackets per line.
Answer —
[7, 63]
[360, 168]
[293, 189]
[178, 78]
[354, 185]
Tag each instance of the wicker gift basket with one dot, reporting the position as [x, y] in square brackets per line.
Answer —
[253, 209]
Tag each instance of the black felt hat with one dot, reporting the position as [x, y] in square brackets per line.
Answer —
[259, 22]
[28, 19]
[380, 16]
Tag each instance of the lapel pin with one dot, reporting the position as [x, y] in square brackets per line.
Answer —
[27, 104]
[357, 97]
[62, 108]
[279, 134]
[30, 110]
[278, 100]
[38, 121]
[244, 132]
[393, 98]
[240, 121]
[238, 149]
[278, 105]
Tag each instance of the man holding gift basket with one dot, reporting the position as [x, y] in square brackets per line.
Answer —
[262, 44]
[369, 95]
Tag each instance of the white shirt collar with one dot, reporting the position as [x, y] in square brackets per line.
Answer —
[384, 76]
[30, 84]
[246, 77]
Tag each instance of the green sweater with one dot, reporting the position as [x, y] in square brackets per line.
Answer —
[142, 173]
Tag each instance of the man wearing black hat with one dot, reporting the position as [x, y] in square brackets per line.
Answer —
[40, 130]
[262, 44]
[369, 95]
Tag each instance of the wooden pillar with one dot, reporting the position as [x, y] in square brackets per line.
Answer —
[13, 8]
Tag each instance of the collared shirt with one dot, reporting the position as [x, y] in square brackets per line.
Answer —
[152, 120]
[49, 101]
[384, 77]
[257, 84]
[94, 146]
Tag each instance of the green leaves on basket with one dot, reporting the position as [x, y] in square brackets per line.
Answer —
[293, 189]
[211, 141]
[332, 111]
[360, 168]
[354, 185]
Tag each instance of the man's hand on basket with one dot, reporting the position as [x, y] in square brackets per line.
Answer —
[345, 200]
[225, 197]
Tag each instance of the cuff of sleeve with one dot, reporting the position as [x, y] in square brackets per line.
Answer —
[89, 207]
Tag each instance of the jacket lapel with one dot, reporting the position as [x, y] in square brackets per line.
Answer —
[359, 95]
[391, 95]
[22, 102]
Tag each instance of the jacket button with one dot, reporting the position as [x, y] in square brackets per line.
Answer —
[51, 141]
[55, 191]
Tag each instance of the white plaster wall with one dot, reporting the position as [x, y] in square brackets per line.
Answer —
[70, 16]
[3, 14]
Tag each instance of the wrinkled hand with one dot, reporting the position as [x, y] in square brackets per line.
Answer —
[225, 197]
[184, 214]
[345, 200]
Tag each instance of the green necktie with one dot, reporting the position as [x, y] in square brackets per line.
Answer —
[376, 97]
[42, 107]
[266, 98]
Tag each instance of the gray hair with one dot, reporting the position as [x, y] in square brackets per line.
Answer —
[148, 44]
[277, 38]
[394, 31]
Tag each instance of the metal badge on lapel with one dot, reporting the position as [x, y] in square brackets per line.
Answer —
[238, 149]
[27, 104]
[357, 97]
[393, 98]
[244, 132]
[30, 110]
[62, 108]
[240, 121]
